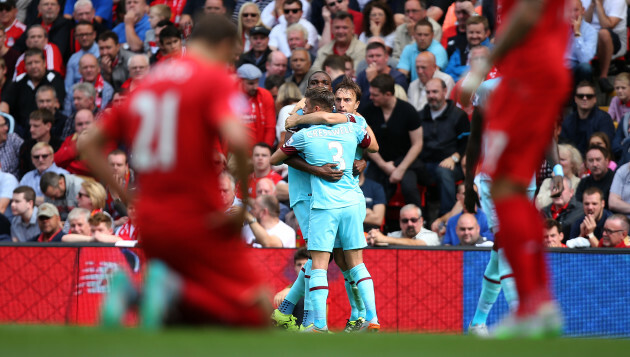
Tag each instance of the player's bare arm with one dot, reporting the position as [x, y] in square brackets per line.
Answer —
[315, 118]
[90, 145]
[521, 20]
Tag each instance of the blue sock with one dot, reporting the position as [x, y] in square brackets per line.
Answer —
[509, 291]
[349, 284]
[295, 294]
[319, 293]
[489, 293]
[309, 317]
[364, 283]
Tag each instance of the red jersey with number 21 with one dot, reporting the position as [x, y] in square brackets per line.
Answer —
[170, 122]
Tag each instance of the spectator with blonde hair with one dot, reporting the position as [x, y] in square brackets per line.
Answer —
[288, 95]
[91, 195]
[248, 18]
[571, 162]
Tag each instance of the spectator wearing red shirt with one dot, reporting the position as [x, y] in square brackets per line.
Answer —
[615, 232]
[36, 37]
[552, 234]
[67, 156]
[260, 117]
[13, 28]
[261, 159]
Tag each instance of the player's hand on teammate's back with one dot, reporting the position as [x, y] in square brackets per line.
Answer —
[291, 121]
[557, 186]
[358, 167]
[329, 172]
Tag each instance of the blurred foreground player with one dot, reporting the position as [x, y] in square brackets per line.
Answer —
[171, 123]
[530, 54]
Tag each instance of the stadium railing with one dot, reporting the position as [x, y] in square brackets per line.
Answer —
[430, 290]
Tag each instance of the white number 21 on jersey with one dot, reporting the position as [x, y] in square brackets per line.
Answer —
[338, 157]
[154, 145]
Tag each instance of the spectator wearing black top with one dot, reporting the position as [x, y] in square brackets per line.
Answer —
[601, 176]
[259, 39]
[40, 125]
[46, 98]
[57, 26]
[587, 119]
[398, 128]
[374, 203]
[445, 135]
[19, 98]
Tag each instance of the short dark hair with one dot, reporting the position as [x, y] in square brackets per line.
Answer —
[423, 22]
[108, 35]
[164, 23]
[550, 223]
[119, 152]
[263, 145]
[585, 84]
[322, 97]
[342, 15]
[593, 190]
[100, 217]
[375, 45]
[604, 151]
[170, 31]
[34, 52]
[289, 2]
[384, 82]
[335, 62]
[273, 81]
[476, 20]
[213, 29]
[301, 253]
[29, 193]
[85, 23]
[45, 115]
[49, 179]
[348, 84]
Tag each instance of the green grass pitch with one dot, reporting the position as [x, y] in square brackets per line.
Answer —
[50, 341]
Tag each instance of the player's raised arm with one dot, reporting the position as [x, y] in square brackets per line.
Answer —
[315, 118]
[521, 20]
[373, 143]
[90, 145]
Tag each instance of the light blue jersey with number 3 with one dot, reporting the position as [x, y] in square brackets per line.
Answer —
[337, 144]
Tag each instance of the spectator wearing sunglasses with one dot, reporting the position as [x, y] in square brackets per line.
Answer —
[411, 231]
[586, 119]
[42, 156]
[292, 14]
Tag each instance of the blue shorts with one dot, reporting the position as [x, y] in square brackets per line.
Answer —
[342, 227]
[302, 211]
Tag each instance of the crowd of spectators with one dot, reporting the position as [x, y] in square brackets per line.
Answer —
[64, 63]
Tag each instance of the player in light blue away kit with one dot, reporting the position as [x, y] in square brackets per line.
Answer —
[347, 94]
[335, 207]
[498, 274]
[300, 201]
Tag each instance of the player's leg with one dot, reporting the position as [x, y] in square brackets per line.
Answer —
[490, 289]
[323, 225]
[357, 308]
[508, 285]
[309, 317]
[353, 240]
[283, 315]
[121, 296]
[162, 287]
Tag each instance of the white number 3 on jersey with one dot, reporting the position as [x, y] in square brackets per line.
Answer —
[338, 157]
[154, 145]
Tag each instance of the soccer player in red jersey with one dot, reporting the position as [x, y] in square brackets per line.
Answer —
[170, 123]
[529, 52]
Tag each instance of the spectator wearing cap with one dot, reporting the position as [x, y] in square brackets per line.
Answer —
[13, 28]
[49, 223]
[260, 117]
[260, 51]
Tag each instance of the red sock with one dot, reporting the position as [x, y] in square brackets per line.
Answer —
[521, 237]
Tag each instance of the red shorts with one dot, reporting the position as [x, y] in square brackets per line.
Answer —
[521, 117]
[221, 284]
